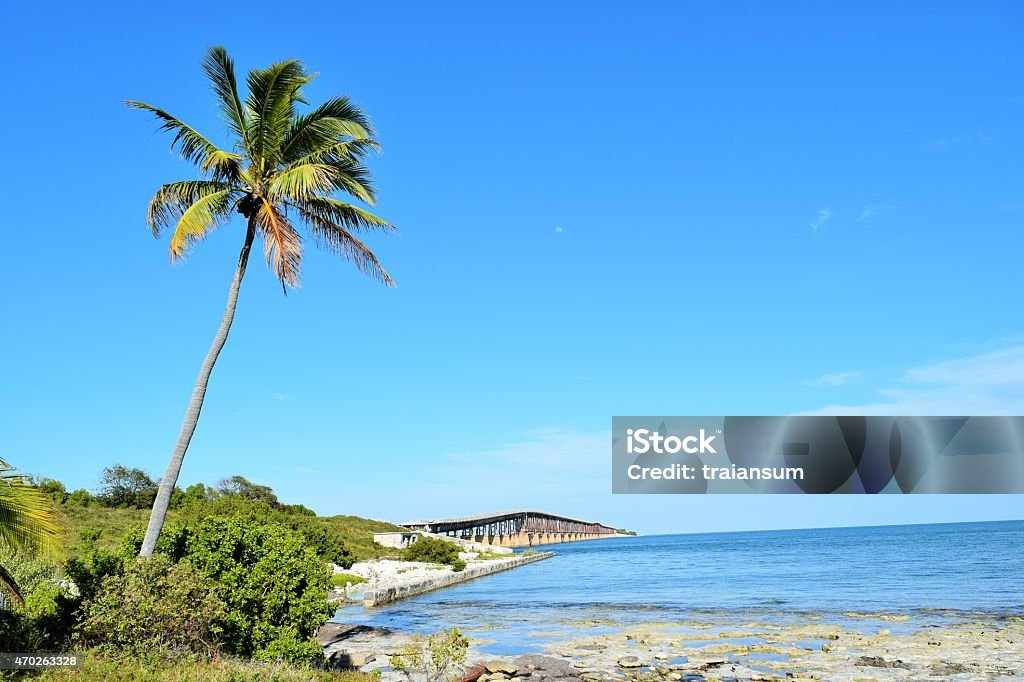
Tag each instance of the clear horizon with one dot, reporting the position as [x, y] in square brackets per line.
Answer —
[681, 209]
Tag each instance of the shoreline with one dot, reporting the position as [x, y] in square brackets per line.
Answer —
[726, 646]
[389, 581]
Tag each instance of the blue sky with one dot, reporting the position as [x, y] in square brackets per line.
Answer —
[686, 208]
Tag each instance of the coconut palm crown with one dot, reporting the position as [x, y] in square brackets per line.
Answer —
[282, 170]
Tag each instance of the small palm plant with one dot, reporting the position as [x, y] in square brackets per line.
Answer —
[284, 168]
[29, 522]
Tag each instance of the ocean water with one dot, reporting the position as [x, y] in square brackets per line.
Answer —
[930, 573]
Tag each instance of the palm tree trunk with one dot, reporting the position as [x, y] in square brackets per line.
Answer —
[195, 405]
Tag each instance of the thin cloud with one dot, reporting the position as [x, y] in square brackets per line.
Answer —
[870, 211]
[824, 215]
[559, 230]
[981, 135]
[542, 466]
[985, 384]
[837, 379]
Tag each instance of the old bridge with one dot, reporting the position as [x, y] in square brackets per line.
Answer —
[521, 528]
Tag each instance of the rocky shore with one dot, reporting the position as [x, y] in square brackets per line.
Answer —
[846, 647]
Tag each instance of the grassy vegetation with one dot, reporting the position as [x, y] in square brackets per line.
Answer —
[358, 533]
[342, 579]
[226, 670]
[104, 527]
[101, 527]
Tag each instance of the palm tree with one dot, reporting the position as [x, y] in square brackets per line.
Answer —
[283, 168]
[29, 521]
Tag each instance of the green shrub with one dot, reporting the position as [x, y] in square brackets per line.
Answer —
[155, 609]
[243, 487]
[121, 486]
[44, 622]
[440, 659]
[326, 540]
[54, 488]
[275, 587]
[80, 498]
[434, 551]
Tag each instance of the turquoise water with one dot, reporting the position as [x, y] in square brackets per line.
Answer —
[930, 573]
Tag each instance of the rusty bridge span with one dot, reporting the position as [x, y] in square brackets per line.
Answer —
[520, 528]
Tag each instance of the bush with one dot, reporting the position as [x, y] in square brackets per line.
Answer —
[121, 486]
[440, 659]
[44, 622]
[243, 487]
[325, 539]
[55, 489]
[80, 498]
[155, 609]
[434, 551]
[274, 586]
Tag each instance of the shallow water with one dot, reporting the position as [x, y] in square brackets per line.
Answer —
[844, 576]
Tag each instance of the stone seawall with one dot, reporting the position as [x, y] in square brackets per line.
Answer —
[384, 595]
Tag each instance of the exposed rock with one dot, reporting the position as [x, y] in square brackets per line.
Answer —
[630, 662]
[946, 669]
[473, 673]
[549, 665]
[879, 662]
[345, 659]
[503, 667]
[712, 663]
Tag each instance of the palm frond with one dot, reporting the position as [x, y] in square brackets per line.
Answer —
[352, 217]
[303, 181]
[353, 150]
[270, 108]
[171, 201]
[330, 123]
[220, 69]
[281, 243]
[29, 520]
[353, 178]
[337, 239]
[193, 147]
[201, 218]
